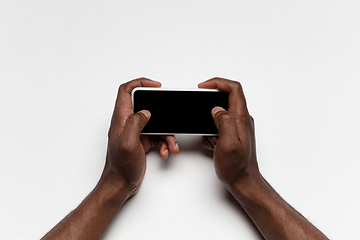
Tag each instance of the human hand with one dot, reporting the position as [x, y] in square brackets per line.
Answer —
[234, 149]
[126, 160]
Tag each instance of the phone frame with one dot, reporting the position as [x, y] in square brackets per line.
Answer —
[173, 89]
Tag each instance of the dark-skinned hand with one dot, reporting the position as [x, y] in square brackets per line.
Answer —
[126, 160]
[234, 148]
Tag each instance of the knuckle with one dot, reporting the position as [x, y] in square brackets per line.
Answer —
[225, 117]
[122, 87]
[134, 118]
[244, 119]
[230, 149]
[126, 87]
[251, 118]
[218, 79]
[126, 146]
[237, 85]
[109, 132]
[141, 79]
[252, 121]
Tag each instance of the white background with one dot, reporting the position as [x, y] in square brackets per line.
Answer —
[62, 61]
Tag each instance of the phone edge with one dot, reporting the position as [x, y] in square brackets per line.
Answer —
[173, 89]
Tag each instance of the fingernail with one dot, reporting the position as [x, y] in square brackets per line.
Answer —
[177, 146]
[166, 153]
[216, 110]
[146, 113]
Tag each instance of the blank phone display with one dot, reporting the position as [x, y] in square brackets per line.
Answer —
[179, 112]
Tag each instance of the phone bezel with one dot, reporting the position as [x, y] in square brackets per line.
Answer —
[173, 89]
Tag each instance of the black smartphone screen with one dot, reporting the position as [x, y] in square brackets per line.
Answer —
[179, 112]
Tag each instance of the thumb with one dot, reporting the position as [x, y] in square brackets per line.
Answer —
[226, 125]
[135, 124]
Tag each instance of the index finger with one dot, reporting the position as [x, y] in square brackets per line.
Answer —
[237, 101]
[123, 105]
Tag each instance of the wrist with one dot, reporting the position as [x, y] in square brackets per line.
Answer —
[116, 188]
[249, 190]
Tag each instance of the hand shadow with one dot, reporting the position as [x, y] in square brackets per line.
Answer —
[193, 145]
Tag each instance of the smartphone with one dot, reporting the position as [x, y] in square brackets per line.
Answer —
[179, 111]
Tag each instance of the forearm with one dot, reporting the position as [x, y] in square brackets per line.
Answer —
[272, 215]
[92, 217]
